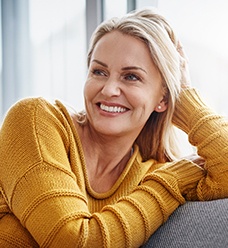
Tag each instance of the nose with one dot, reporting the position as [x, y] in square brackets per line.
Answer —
[111, 88]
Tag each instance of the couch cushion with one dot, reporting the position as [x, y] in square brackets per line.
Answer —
[193, 225]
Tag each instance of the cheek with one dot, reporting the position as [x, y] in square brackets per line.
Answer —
[88, 97]
[85, 91]
[89, 89]
[147, 101]
[143, 107]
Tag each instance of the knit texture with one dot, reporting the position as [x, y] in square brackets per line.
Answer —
[46, 198]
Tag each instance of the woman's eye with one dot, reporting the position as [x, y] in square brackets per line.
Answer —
[132, 77]
[98, 72]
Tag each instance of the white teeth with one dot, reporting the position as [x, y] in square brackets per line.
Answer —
[112, 109]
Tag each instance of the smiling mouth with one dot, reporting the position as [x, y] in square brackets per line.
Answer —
[112, 109]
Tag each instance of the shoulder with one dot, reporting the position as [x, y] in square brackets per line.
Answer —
[34, 114]
[30, 108]
[26, 105]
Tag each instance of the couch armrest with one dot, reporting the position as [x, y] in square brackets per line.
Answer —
[195, 224]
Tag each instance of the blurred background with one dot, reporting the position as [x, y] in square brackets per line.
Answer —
[43, 45]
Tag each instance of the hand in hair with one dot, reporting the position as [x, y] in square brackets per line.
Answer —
[185, 75]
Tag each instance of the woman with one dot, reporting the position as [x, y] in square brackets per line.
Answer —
[110, 177]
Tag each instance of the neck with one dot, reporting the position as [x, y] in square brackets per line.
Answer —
[105, 156]
[106, 147]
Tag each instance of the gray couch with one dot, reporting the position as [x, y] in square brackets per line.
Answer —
[193, 225]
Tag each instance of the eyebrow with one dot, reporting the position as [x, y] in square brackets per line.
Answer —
[133, 68]
[124, 68]
[100, 63]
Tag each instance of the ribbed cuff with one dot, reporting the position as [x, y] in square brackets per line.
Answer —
[4, 209]
[188, 106]
[178, 177]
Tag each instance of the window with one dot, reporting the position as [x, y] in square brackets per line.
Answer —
[114, 8]
[201, 26]
[58, 45]
[44, 45]
[44, 50]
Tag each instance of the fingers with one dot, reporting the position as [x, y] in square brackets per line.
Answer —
[179, 47]
[185, 75]
[181, 51]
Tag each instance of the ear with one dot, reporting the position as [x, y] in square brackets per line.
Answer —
[161, 107]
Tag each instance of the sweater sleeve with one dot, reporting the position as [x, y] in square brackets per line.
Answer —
[209, 133]
[49, 200]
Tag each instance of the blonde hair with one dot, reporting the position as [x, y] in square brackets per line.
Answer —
[157, 139]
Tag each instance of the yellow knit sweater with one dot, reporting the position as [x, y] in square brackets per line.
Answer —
[46, 199]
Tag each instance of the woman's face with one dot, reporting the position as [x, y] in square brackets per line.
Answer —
[123, 86]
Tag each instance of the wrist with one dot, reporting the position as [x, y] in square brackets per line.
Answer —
[178, 177]
[187, 107]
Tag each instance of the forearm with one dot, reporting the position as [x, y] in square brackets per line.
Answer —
[62, 219]
[138, 215]
[50, 200]
[208, 132]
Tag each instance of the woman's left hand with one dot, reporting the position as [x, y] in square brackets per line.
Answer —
[185, 75]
